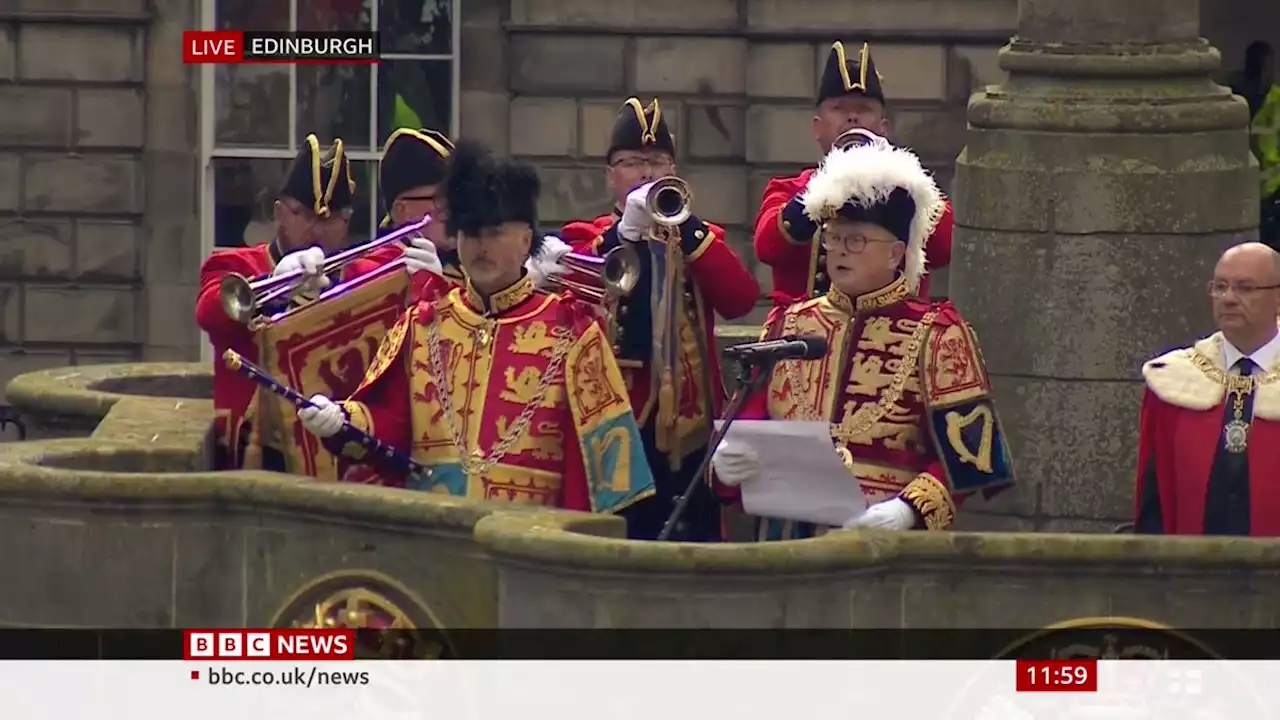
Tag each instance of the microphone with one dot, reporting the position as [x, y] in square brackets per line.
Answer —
[788, 347]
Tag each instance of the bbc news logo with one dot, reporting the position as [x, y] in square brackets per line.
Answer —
[230, 46]
[304, 645]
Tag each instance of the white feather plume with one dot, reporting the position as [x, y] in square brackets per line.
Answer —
[545, 267]
[867, 175]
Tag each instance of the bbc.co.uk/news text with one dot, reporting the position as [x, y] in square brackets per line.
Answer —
[305, 677]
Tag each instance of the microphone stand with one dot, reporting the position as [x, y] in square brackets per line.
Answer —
[753, 375]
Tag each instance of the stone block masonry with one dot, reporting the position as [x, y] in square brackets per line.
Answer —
[72, 183]
[736, 81]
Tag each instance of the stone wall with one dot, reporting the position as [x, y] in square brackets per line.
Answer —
[543, 79]
[98, 169]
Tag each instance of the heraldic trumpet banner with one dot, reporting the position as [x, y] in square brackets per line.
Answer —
[324, 348]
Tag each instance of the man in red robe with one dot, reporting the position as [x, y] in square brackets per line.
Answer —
[312, 212]
[1209, 435]
[850, 96]
[903, 386]
[675, 428]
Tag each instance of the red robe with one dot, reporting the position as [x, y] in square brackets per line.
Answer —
[932, 442]
[233, 393]
[1180, 430]
[785, 241]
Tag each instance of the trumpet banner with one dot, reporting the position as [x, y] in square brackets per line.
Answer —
[324, 348]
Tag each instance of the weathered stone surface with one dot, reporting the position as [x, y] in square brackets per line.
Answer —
[554, 64]
[1101, 205]
[719, 193]
[80, 315]
[716, 132]
[647, 15]
[945, 17]
[110, 118]
[102, 53]
[691, 65]
[98, 184]
[35, 249]
[81, 8]
[7, 53]
[486, 117]
[780, 70]
[107, 250]
[169, 309]
[17, 361]
[82, 357]
[781, 134]
[934, 135]
[44, 119]
[10, 313]
[485, 48]
[10, 182]
[908, 71]
[572, 193]
[597, 118]
[544, 126]
[971, 68]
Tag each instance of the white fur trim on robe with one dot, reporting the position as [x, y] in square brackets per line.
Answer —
[1176, 380]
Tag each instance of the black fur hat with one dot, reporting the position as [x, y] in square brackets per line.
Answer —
[483, 191]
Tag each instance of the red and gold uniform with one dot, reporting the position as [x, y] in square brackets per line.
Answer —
[318, 179]
[903, 384]
[715, 281]
[906, 392]
[785, 238]
[1207, 458]
[514, 398]
[413, 164]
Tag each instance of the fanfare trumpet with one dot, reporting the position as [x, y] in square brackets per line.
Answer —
[242, 298]
[600, 279]
[856, 137]
[669, 201]
[414, 470]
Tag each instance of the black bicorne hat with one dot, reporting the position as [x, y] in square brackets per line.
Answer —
[641, 128]
[844, 75]
[412, 158]
[321, 179]
[482, 191]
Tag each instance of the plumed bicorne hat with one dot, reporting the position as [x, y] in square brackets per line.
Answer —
[883, 185]
[844, 75]
[641, 128]
[482, 191]
[321, 178]
[412, 158]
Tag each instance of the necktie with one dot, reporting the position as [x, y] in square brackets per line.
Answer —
[1238, 411]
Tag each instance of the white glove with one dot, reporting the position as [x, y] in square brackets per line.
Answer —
[310, 262]
[893, 514]
[324, 419]
[545, 269]
[421, 255]
[735, 463]
[635, 216]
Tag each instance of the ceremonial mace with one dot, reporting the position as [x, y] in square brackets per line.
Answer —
[418, 474]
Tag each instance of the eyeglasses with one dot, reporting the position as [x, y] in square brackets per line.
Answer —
[850, 243]
[1218, 288]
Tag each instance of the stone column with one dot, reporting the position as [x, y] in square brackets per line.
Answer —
[1099, 184]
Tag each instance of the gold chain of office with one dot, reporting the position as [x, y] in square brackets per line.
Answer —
[476, 463]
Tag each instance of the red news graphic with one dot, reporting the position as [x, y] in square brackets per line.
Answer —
[234, 46]
[1057, 676]
[316, 645]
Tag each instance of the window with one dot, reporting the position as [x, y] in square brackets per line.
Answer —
[253, 117]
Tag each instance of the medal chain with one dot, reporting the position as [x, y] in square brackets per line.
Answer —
[475, 464]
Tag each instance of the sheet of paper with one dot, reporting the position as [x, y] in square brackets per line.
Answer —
[801, 476]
